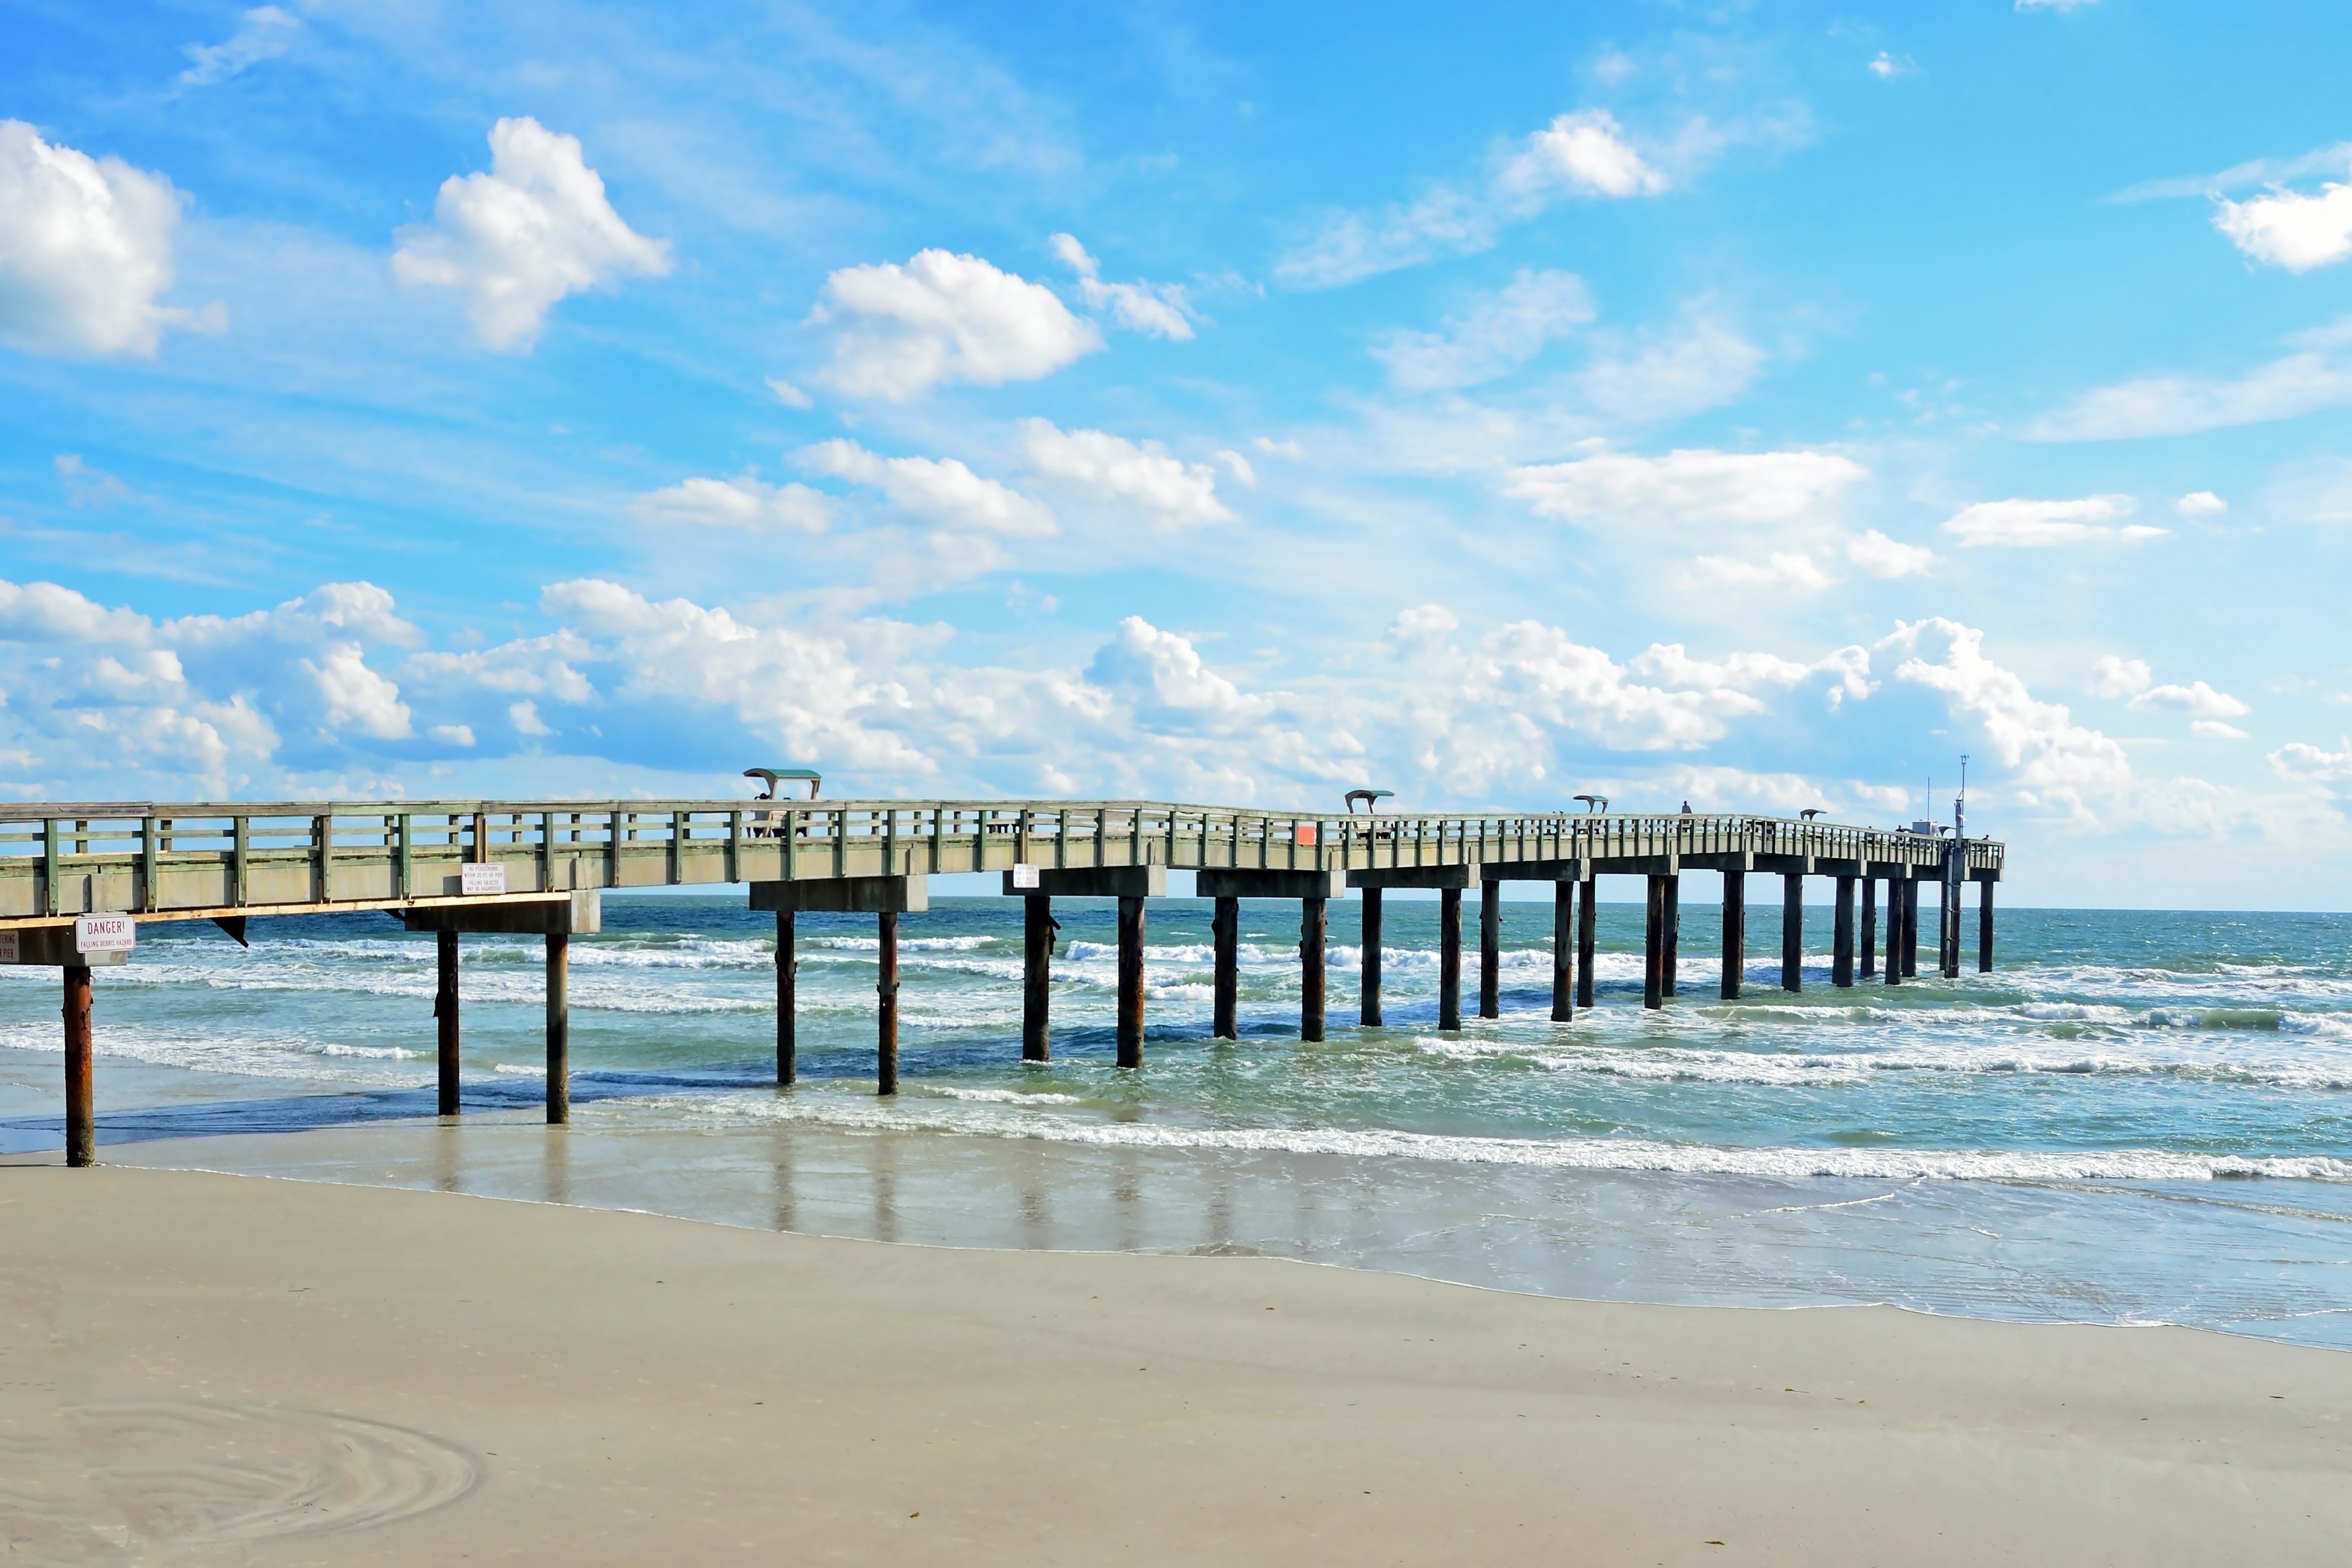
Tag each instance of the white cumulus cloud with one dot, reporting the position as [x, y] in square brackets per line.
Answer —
[2115, 676]
[1170, 491]
[1171, 686]
[1585, 154]
[1498, 332]
[939, 490]
[742, 502]
[1697, 487]
[85, 251]
[2200, 503]
[2035, 524]
[900, 331]
[519, 238]
[2289, 229]
[2054, 761]
[1883, 557]
[2306, 763]
[2197, 698]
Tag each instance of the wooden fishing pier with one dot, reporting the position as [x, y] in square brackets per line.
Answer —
[77, 881]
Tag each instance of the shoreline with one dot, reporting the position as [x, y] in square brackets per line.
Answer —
[2204, 1255]
[617, 1386]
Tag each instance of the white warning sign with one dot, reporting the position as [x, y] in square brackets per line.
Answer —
[477, 879]
[1025, 876]
[105, 933]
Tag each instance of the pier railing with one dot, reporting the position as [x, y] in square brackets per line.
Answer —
[195, 860]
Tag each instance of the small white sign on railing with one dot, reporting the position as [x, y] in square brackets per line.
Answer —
[105, 933]
[1025, 876]
[477, 878]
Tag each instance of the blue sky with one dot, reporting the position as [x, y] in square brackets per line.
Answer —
[1757, 406]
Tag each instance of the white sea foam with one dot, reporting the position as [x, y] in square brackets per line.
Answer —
[906, 944]
[1627, 1155]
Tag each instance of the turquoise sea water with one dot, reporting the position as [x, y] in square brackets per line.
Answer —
[2140, 1117]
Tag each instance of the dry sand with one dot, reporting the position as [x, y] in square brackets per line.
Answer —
[206, 1369]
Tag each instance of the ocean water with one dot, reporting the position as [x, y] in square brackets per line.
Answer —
[2139, 1118]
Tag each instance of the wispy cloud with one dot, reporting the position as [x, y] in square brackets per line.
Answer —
[263, 33]
[1584, 155]
[2319, 374]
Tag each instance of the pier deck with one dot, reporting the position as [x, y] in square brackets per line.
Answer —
[77, 879]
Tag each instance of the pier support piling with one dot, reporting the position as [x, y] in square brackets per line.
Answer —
[559, 1028]
[1490, 949]
[788, 973]
[1563, 952]
[1672, 960]
[1314, 917]
[1910, 928]
[1792, 932]
[444, 1014]
[1735, 933]
[1842, 949]
[1894, 886]
[1226, 936]
[1654, 945]
[1131, 981]
[1984, 927]
[1036, 977]
[81, 1119]
[1869, 926]
[1449, 959]
[558, 920]
[1368, 1006]
[886, 986]
[1588, 898]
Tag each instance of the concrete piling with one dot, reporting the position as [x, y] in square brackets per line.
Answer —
[1563, 952]
[1225, 937]
[1490, 949]
[1671, 958]
[1449, 959]
[559, 1028]
[444, 1014]
[788, 970]
[1036, 977]
[1313, 927]
[81, 1117]
[1131, 981]
[1869, 966]
[1842, 938]
[1792, 932]
[1654, 944]
[1734, 933]
[885, 1045]
[1587, 907]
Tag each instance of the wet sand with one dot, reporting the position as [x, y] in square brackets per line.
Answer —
[212, 1369]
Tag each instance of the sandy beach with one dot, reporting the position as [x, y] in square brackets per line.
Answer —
[207, 1369]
